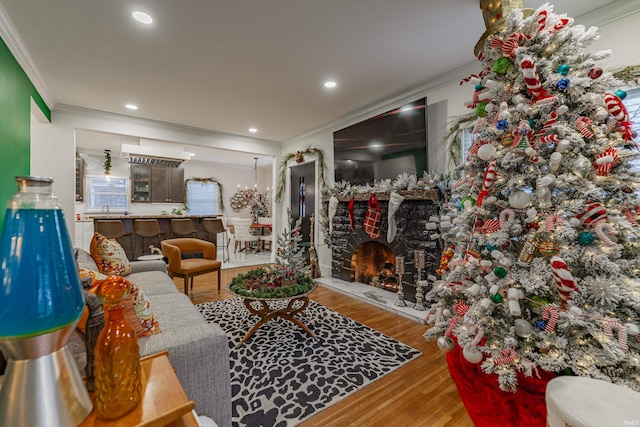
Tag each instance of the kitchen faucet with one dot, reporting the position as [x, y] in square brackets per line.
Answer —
[106, 206]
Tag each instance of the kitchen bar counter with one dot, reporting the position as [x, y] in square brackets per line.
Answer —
[133, 244]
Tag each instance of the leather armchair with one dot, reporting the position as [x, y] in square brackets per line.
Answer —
[175, 249]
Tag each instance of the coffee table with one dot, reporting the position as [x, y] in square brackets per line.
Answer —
[295, 305]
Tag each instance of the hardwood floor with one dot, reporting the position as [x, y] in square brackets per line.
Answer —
[420, 393]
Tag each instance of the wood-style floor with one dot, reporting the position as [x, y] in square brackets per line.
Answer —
[420, 393]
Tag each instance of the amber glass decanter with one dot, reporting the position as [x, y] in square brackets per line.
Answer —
[117, 355]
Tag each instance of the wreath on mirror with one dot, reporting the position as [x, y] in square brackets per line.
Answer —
[299, 157]
[242, 199]
[205, 181]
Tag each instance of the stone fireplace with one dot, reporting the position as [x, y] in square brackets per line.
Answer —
[358, 258]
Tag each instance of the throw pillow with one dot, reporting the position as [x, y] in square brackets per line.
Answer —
[109, 256]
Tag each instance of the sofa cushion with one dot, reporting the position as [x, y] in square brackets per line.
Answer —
[109, 256]
[154, 283]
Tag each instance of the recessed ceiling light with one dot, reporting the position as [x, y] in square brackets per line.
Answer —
[131, 106]
[142, 17]
[330, 84]
[253, 130]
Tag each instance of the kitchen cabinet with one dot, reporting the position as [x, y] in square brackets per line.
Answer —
[157, 184]
[140, 183]
[167, 185]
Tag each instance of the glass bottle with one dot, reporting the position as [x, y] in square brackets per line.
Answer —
[117, 355]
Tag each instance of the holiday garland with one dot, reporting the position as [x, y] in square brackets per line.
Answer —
[299, 158]
[205, 181]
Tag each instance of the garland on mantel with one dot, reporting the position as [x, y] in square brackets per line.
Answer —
[299, 158]
[205, 181]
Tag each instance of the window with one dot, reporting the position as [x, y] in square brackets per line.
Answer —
[632, 103]
[112, 192]
[465, 144]
[202, 197]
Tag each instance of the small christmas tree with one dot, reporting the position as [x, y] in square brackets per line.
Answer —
[290, 259]
[544, 251]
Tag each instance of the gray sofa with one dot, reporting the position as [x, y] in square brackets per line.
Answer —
[198, 351]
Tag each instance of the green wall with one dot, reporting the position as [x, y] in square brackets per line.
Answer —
[16, 91]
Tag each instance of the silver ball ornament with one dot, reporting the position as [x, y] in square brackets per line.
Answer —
[523, 328]
[472, 354]
[446, 344]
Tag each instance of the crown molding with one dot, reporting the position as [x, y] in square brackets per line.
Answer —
[609, 13]
[16, 46]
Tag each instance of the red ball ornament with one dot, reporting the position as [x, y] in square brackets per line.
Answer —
[594, 73]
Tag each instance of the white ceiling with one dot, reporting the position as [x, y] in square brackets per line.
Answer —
[228, 65]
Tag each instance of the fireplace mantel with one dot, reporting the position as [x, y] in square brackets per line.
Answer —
[384, 196]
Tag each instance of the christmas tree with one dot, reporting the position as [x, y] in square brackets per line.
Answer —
[543, 245]
[290, 260]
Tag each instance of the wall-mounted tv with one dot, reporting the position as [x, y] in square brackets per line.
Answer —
[383, 146]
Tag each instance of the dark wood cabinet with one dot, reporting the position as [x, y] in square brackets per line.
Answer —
[140, 183]
[79, 179]
[167, 185]
[157, 184]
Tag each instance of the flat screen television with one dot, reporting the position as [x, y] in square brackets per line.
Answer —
[383, 146]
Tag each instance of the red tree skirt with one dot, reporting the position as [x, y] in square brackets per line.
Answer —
[488, 406]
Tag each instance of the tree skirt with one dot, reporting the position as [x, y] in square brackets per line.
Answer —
[281, 376]
[488, 406]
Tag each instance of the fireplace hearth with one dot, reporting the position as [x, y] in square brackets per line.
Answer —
[358, 258]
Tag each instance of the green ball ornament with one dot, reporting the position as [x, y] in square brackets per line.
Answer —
[497, 298]
[538, 303]
[586, 238]
[500, 272]
[563, 69]
[467, 202]
[481, 109]
[502, 65]
[621, 94]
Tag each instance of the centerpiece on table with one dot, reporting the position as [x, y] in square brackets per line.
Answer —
[288, 278]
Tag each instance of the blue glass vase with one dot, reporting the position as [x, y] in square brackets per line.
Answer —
[40, 303]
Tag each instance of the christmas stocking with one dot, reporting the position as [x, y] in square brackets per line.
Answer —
[352, 220]
[394, 203]
[333, 207]
[372, 219]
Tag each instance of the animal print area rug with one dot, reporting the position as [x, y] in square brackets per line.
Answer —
[282, 376]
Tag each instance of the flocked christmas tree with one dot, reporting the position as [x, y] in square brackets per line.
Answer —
[541, 229]
[290, 260]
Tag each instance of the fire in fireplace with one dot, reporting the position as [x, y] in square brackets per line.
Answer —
[369, 259]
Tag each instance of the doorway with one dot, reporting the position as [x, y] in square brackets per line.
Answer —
[303, 199]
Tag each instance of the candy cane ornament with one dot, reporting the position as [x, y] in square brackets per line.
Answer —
[550, 314]
[532, 80]
[510, 356]
[552, 222]
[565, 283]
[616, 325]
[506, 216]
[601, 230]
[584, 126]
[487, 181]
[542, 19]
[452, 325]
[479, 334]
[630, 217]
[619, 112]
[553, 118]
[461, 308]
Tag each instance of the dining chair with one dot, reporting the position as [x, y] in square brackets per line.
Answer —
[266, 236]
[243, 233]
[147, 229]
[182, 227]
[215, 226]
[175, 249]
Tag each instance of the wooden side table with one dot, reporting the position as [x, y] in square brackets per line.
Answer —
[163, 404]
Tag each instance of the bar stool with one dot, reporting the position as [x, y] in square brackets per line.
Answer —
[215, 226]
[113, 229]
[147, 229]
[183, 228]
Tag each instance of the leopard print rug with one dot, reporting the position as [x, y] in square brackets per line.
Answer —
[281, 376]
